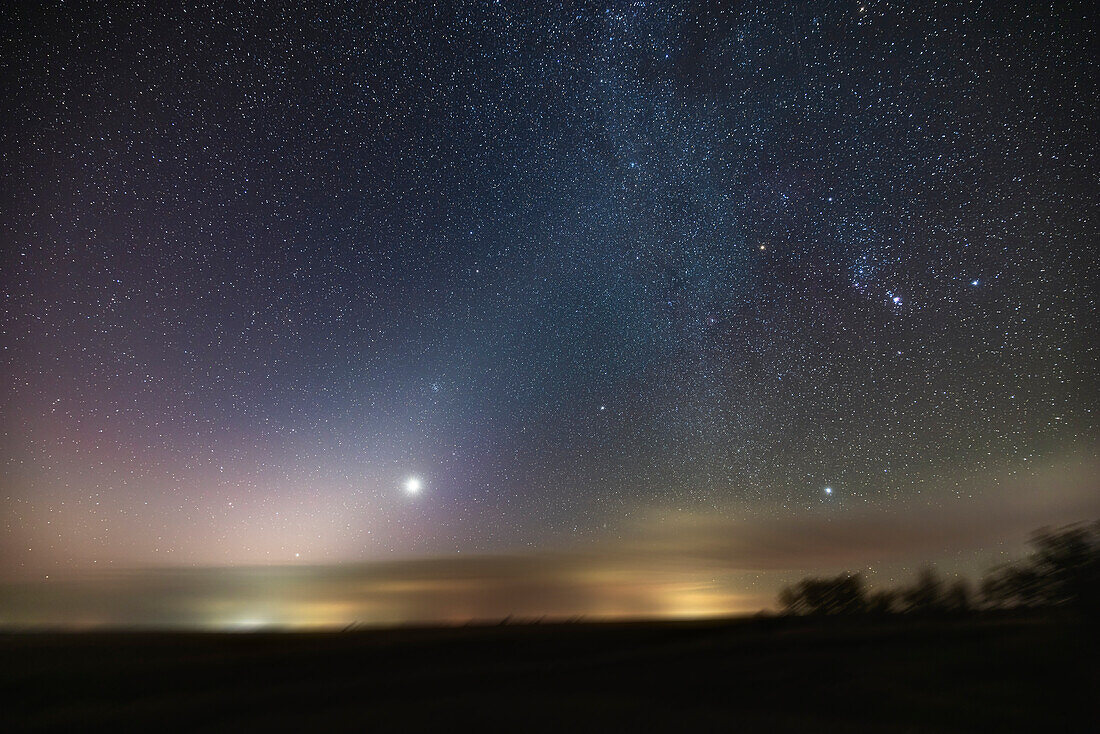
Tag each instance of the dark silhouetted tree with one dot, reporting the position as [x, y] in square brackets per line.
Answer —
[883, 602]
[957, 598]
[926, 595]
[1063, 569]
[842, 594]
[1013, 586]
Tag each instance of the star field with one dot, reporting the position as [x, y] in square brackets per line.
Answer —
[337, 283]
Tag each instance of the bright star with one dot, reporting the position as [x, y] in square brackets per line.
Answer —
[974, 282]
[412, 485]
[828, 490]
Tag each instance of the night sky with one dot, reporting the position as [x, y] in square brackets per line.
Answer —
[614, 309]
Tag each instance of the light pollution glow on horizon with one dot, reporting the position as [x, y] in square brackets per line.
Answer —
[672, 566]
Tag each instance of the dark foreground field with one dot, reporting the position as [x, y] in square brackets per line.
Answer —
[997, 675]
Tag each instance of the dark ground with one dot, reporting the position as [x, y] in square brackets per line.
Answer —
[1000, 674]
